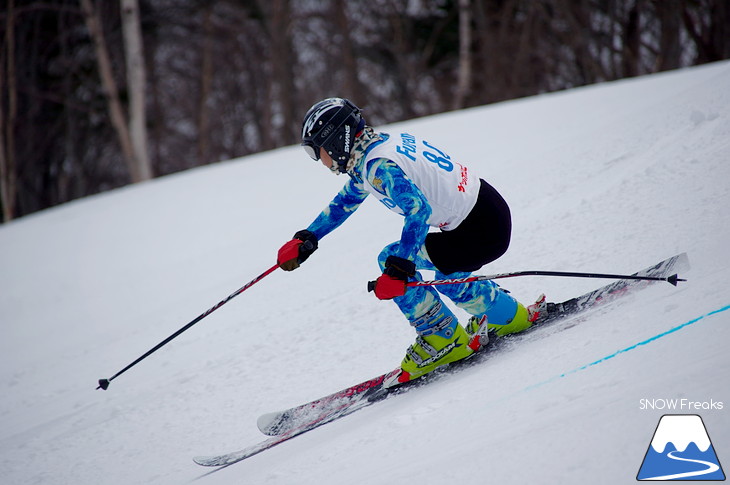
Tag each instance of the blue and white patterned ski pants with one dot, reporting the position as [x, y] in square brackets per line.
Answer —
[476, 298]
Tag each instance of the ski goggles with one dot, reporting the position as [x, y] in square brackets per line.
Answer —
[311, 149]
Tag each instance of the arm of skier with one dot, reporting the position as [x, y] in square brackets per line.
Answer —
[305, 242]
[342, 206]
[409, 198]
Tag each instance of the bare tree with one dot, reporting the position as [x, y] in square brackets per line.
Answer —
[282, 75]
[463, 85]
[352, 88]
[8, 181]
[136, 87]
[707, 23]
[669, 52]
[226, 78]
[206, 82]
[137, 172]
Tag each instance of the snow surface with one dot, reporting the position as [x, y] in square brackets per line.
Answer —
[607, 178]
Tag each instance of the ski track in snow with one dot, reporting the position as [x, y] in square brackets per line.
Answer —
[606, 178]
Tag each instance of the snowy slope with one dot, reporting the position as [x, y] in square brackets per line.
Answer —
[608, 178]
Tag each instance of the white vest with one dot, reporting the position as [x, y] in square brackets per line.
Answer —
[450, 188]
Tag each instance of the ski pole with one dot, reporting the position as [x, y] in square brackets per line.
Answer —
[670, 279]
[104, 383]
[674, 279]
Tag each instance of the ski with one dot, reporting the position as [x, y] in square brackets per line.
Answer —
[664, 269]
[289, 423]
[332, 413]
[280, 422]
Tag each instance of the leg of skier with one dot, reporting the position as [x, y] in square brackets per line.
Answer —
[480, 299]
[487, 301]
[480, 239]
[440, 338]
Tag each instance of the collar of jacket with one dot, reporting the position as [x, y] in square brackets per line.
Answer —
[367, 140]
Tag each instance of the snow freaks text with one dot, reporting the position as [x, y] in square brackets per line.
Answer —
[679, 404]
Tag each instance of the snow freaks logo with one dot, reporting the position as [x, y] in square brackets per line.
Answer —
[680, 450]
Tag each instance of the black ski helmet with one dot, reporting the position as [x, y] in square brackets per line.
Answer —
[332, 124]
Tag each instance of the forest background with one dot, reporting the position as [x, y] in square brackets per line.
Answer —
[97, 94]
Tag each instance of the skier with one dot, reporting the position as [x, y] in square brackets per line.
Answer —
[417, 179]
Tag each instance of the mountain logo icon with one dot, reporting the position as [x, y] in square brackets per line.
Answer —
[680, 450]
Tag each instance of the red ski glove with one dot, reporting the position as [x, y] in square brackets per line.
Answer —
[388, 287]
[296, 251]
[392, 282]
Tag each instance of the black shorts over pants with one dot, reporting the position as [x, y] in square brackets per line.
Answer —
[480, 239]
